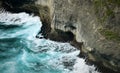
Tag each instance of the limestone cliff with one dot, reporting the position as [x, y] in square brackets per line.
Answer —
[96, 24]
[93, 22]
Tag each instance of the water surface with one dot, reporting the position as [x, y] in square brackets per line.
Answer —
[22, 52]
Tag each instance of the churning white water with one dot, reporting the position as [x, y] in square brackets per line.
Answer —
[22, 52]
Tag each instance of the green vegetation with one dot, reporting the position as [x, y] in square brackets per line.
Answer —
[104, 8]
[110, 35]
[115, 2]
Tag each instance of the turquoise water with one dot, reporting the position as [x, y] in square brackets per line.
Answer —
[22, 52]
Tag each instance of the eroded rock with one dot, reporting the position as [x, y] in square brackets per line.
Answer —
[93, 22]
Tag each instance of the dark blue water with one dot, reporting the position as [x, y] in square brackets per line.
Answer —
[22, 52]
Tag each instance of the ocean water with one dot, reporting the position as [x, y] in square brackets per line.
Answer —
[22, 52]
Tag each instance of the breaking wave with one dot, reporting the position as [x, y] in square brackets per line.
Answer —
[22, 52]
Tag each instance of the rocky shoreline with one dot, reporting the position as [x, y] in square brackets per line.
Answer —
[79, 45]
[82, 25]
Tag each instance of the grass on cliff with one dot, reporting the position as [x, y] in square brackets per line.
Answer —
[110, 35]
[104, 8]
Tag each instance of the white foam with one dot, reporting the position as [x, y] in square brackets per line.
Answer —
[29, 25]
[17, 19]
[52, 55]
[81, 67]
[64, 52]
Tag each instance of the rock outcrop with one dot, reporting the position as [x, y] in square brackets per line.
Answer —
[96, 24]
[93, 22]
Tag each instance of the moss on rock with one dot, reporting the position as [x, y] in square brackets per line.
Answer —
[104, 9]
[110, 35]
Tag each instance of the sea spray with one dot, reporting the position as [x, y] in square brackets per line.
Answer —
[22, 52]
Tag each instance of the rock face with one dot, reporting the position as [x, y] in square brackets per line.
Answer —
[0, 4]
[96, 23]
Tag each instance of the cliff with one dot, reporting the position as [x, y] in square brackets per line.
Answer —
[96, 24]
[93, 22]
